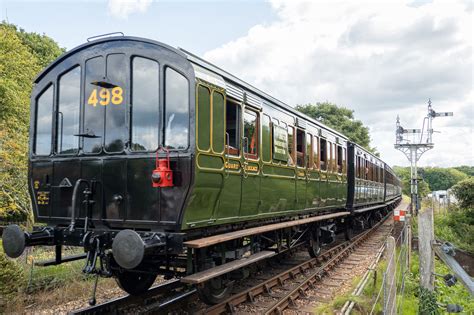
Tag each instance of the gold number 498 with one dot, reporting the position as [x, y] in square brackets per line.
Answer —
[104, 97]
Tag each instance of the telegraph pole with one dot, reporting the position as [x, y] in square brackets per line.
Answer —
[413, 143]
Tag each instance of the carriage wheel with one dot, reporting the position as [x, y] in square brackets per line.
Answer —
[135, 283]
[314, 247]
[215, 290]
[348, 233]
[370, 221]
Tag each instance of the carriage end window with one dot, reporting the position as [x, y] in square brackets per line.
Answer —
[43, 126]
[177, 110]
[69, 103]
[232, 128]
[145, 106]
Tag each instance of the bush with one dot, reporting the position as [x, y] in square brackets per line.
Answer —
[456, 227]
[464, 192]
[11, 276]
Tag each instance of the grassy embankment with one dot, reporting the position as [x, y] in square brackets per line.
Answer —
[25, 289]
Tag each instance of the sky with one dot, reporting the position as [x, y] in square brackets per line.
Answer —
[378, 58]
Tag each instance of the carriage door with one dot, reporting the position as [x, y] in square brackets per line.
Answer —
[250, 166]
[301, 176]
[229, 199]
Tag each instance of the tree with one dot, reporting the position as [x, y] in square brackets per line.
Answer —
[43, 47]
[468, 170]
[22, 56]
[405, 176]
[340, 119]
[442, 178]
[464, 192]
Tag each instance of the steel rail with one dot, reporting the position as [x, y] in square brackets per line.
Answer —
[265, 287]
[114, 305]
[289, 298]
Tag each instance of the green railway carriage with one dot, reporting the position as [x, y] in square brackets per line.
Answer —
[256, 159]
[157, 162]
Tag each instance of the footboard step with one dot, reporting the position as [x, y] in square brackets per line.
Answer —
[208, 274]
[216, 239]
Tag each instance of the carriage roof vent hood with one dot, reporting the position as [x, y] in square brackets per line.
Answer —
[89, 39]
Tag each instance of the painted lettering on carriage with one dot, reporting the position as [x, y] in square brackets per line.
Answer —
[105, 96]
[36, 184]
[280, 143]
[43, 197]
[232, 166]
[252, 168]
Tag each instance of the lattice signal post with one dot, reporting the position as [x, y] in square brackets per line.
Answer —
[413, 145]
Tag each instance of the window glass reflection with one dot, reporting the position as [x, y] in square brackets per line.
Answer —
[115, 110]
[93, 112]
[177, 110]
[250, 134]
[44, 113]
[145, 104]
[68, 111]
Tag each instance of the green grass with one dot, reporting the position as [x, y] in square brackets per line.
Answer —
[409, 301]
[19, 276]
[457, 227]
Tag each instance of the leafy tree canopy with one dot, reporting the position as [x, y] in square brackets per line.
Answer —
[405, 176]
[442, 178]
[431, 178]
[464, 192]
[44, 48]
[22, 56]
[341, 119]
[468, 170]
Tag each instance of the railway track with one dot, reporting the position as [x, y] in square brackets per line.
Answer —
[282, 291]
[280, 286]
[161, 297]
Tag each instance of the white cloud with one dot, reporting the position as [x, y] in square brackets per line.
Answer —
[123, 8]
[380, 58]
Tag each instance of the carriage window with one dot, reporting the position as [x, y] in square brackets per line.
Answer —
[266, 138]
[115, 111]
[333, 158]
[315, 153]
[300, 143]
[339, 159]
[177, 110]
[344, 161]
[232, 128]
[323, 154]
[309, 149]
[218, 121]
[357, 170]
[250, 134]
[366, 169]
[93, 111]
[44, 114]
[145, 115]
[291, 145]
[68, 111]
